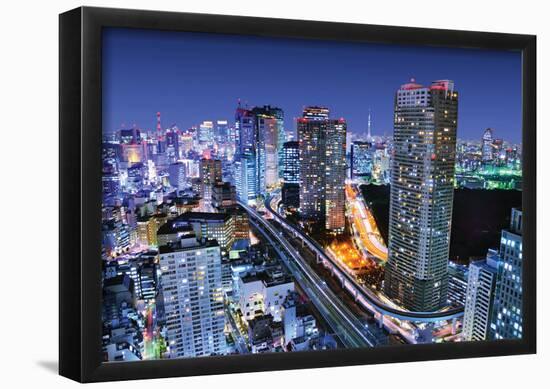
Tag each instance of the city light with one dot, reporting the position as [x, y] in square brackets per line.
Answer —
[255, 232]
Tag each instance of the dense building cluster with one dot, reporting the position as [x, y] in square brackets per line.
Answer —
[175, 237]
[186, 272]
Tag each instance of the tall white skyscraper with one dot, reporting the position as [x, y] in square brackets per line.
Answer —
[478, 307]
[193, 298]
[421, 199]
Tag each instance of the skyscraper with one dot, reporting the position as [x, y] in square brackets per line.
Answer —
[322, 145]
[335, 167]
[172, 144]
[177, 175]
[478, 307]
[244, 130]
[487, 145]
[421, 199]
[258, 135]
[312, 129]
[245, 177]
[193, 298]
[206, 134]
[210, 173]
[361, 159]
[221, 135]
[507, 320]
[291, 162]
[270, 134]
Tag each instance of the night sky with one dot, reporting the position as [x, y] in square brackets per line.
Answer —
[191, 77]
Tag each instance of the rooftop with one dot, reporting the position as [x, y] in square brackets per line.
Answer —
[179, 246]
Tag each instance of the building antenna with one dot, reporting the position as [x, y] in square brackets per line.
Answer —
[369, 135]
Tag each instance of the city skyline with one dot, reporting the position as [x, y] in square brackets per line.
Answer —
[231, 239]
[189, 80]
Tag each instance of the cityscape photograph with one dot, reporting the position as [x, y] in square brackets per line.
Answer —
[268, 195]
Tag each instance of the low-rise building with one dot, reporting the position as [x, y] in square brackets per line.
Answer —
[264, 292]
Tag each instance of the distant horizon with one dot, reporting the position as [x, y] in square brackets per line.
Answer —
[196, 77]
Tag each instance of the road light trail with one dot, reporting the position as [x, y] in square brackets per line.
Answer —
[366, 232]
[351, 331]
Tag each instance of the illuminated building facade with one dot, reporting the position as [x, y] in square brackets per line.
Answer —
[269, 123]
[487, 145]
[221, 134]
[508, 312]
[421, 199]
[177, 175]
[291, 162]
[458, 284]
[210, 173]
[245, 177]
[259, 135]
[335, 176]
[223, 195]
[206, 134]
[290, 191]
[216, 226]
[224, 199]
[193, 298]
[361, 159]
[478, 307]
[322, 146]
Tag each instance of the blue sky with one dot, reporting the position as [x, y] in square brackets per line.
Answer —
[191, 77]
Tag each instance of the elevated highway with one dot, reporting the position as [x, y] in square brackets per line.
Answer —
[364, 296]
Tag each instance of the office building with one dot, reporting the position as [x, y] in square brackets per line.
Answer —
[361, 159]
[478, 307]
[245, 177]
[205, 134]
[508, 310]
[210, 174]
[458, 284]
[224, 195]
[487, 146]
[221, 133]
[245, 131]
[177, 175]
[259, 135]
[172, 144]
[224, 199]
[335, 176]
[322, 145]
[291, 162]
[269, 123]
[421, 198]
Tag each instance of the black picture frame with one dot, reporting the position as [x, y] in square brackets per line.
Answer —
[80, 137]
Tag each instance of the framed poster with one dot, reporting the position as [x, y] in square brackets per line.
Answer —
[243, 194]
